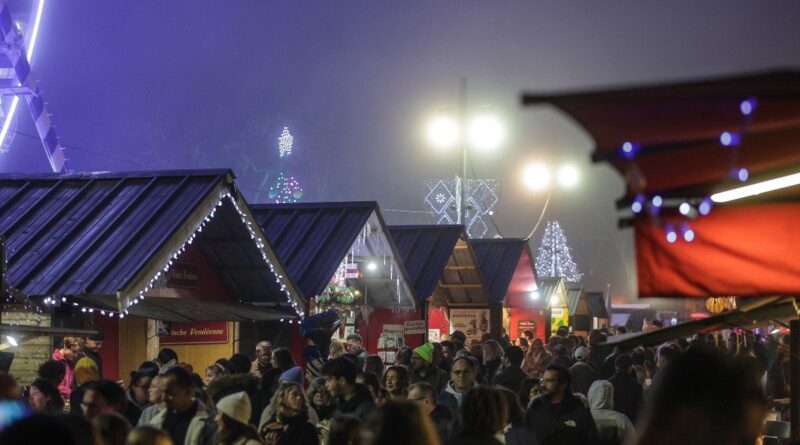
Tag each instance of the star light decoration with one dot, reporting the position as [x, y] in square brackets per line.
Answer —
[285, 143]
[444, 199]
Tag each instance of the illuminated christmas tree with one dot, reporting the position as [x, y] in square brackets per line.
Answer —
[554, 259]
[286, 189]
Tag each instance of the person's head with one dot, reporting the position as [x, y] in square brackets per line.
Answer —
[214, 371]
[177, 386]
[239, 364]
[528, 335]
[581, 354]
[43, 397]
[448, 350]
[156, 392]
[53, 371]
[148, 435]
[463, 374]
[476, 349]
[103, 397]
[282, 359]
[86, 371]
[513, 356]
[113, 428]
[403, 356]
[47, 429]
[400, 423]
[165, 356]
[423, 356]
[336, 349]
[264, 353]
[484, 411]
[353, 344]
[528, 390]
[374, 364]
[289, 400]
[141, 380]
[623, 364]
[438, 354]
[704, 397]
[316, 393]
[93, 342]
[371, 381]
[340, 376]
[345, 430]
[516, 413]
[396, 380]
[523, 343]
[554, 382]
[492, 350]
[70, 346]
[537, 344]
[666, 355]
[424, 395]
[233, 417]
[560, 350]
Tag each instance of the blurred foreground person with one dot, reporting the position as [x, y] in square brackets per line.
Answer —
[704, 397]
[44, 398]
[113, 428]
[443, 419]
[400, 423]
[148, 435]
[485, 415]
[517, 431]
[289, 423]
[613, 427]
[43, 429]
[233, 421]
[345, 431]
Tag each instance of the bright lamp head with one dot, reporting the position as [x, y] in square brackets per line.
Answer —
[486, 132]
[442, 132]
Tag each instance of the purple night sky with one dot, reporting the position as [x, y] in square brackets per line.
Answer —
[176, 84]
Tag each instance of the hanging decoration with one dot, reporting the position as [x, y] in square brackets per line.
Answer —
[718, 305]
[444, 199]
[554, 259]
[286, 190]
[342, 299]
[285, 143]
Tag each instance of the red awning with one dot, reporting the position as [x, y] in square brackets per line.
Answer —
[745, 248]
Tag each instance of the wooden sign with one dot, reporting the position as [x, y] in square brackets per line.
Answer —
[183, 275]
[211, 332]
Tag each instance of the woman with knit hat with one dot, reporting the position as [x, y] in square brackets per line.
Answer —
[86, 371]
[289, 423]
[233, 421]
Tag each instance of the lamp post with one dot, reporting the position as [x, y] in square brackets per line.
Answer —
[482, 131]
[537, 178]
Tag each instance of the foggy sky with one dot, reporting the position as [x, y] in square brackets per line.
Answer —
[175, 84]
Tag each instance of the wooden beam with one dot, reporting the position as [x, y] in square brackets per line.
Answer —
[460, 267]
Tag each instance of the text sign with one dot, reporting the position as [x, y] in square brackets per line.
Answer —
[183, 275]
[196, 333]
[414, 327]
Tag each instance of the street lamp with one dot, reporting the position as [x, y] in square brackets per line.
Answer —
[484, 132]
[537, 177]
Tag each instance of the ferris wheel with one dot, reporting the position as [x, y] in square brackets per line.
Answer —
[20, 22]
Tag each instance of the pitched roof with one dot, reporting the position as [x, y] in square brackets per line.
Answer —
[597, 304]
[92, 235]
[553, 287]
[312, 239]
[425, 251]
[497, 259]
[576, 300]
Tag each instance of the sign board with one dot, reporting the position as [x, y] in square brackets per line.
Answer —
[434, 335]
[414, 327]
[559, 316]
[182, 274]
[394, 329]
[526, 325]
[212, 332]
[474, 323]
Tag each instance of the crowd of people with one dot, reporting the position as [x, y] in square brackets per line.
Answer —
[567, 390]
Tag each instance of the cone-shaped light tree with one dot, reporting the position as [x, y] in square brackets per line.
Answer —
[554, 259]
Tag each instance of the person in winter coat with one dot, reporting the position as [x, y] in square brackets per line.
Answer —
[86, 372]
[612, 426]
[425, 370]
[67, 354]
[232, 419]
[340, 381]
[485, 415]
[462, 379]
[517, 431]
[627, 391]
[492, 360]
[319, 399]
[424, 395]
[581, 373]
[536, 359]
[511, 375]
[186, 420]
[289, 423]
[558, 417]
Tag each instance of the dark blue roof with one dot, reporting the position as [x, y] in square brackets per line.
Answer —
[93, 234]
[312, 239]
[425, 251]
[597, 304]
[497, 259]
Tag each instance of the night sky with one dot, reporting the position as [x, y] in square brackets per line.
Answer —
[183, 84]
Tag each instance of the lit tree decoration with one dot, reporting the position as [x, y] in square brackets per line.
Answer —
[286, 190]
[285, 142]
[554, 259]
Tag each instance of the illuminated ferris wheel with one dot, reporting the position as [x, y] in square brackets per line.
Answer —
[20, 22]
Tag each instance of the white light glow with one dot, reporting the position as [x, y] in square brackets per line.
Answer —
[536, 177]
[486, 133]
[12, 341]
[371, 266]
[535, 295]
[568, 176]
[685, 208]
[757, 188]
[442, 132]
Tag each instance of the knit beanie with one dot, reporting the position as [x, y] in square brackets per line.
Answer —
[236, 406]
[425, 352]
[314, 361]
[86, 371]
[293, 375]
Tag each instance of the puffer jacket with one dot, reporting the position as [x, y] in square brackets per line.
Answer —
[612, 426]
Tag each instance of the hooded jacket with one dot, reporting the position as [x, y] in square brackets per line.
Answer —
[201, 428]
[612, 426]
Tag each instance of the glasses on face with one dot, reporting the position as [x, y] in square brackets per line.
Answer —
[462, 371]
[549, 380]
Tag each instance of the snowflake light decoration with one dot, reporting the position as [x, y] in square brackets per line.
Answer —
[444, 198]
[285, 143]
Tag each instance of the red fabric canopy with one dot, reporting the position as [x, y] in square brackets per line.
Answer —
[745, 248]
